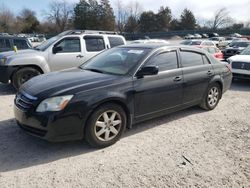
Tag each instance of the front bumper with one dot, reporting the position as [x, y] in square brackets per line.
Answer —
[51, 126]
[5, 73]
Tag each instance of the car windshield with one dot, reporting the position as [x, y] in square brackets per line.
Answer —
[195, 43]
[246, 51]
[186, 42]
[239, 44]
[50, 41]
[118, 61]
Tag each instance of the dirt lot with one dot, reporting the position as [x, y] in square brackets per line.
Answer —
[187, 148]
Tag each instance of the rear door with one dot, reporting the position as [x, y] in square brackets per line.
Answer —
[93, 44]
[157, 93]
[69, 56]
[197, 72]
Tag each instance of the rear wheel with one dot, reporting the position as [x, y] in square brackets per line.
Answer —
[212, 97]
[23, 75]
[105, 126]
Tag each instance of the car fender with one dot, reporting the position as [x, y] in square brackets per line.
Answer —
[28, 60]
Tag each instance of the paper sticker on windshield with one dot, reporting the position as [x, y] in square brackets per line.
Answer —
[135, 51]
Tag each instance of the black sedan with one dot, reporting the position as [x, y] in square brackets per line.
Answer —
[118, 88]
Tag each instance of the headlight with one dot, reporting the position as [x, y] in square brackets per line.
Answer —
[3, 60]
[54, 103]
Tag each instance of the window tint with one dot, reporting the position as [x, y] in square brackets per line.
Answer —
[115, 41]
[189, 59]
[165, 61]
[4, 43]
[94, 44]
[20, 44]
[69, 45]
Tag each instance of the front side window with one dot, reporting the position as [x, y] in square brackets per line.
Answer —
[165, 61]
[94, 44]
[20, 43]
[69, 45]
[189, 59]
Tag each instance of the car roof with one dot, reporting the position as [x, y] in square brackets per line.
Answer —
[161, 45]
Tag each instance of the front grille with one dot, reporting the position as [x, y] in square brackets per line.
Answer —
[24, 101]
[241, 65]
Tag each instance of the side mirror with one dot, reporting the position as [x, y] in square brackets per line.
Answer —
[148, 70]
[56, 49]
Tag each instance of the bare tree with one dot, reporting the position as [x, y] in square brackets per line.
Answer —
[125, 11]
[7, 20]
[221, 19]
[60, 13]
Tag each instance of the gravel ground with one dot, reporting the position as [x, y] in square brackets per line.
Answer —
[187, 148]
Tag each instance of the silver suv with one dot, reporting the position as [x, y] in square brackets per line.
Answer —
[66, 50]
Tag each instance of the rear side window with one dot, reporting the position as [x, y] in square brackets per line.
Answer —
[115, 41]
[189, 59]
[165, 61]
[4, 43]
[94, 44]
[20, 44]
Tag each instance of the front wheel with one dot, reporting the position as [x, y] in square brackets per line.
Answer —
[23, 75]
[212, 97]
[105, 126]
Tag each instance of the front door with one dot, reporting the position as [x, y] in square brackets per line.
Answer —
[68, 54]
[158, 93]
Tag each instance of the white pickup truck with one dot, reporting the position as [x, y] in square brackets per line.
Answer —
[66, 50]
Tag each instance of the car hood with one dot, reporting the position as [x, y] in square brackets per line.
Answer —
[66, 82]
[241, 58]
[235, 48]
[18, 53]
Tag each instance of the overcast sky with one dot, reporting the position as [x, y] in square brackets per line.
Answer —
[202, 9]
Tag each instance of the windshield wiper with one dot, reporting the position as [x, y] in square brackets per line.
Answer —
[94, 70]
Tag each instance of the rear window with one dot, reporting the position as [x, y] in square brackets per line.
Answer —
[189, 59]
[20, 43]
[115, 41]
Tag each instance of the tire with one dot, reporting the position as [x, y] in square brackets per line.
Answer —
[212, 97]
[107, 131]
[22, 75]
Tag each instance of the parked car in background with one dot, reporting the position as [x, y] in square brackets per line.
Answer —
[219, 41]
[118, 88]
[189, 36]
[237, 35]
[197, 36]
[198, 42]
[241, 64]
[66, 50]
[210, 35]
[8, 42]
[204, 35]
[235, 48]
[216, 52]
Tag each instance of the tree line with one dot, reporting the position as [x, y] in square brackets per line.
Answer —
[100, 15]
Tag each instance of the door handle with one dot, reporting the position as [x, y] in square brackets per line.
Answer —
[80, 56]
[177, 78]
[209, 73]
